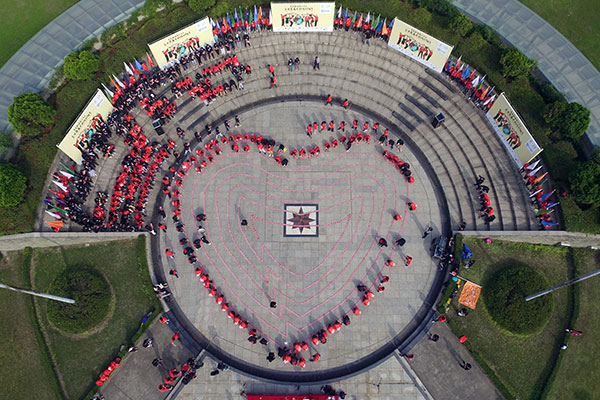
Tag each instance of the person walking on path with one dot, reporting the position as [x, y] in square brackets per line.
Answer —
[170, 253]
[427, 232]
[317, 63]
[382, 242]
[329, 100]
[346, 103]
[465, 365]
[271, 70]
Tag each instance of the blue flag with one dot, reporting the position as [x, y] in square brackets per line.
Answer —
[391, 24]
[138, 66]
[228, 19]
[448, 64]
[346, 14]
[255, 13]
[378, 29]
[237, 19]
[465, 72]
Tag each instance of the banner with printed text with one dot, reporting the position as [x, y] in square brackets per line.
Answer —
[303, 17]
[512, 131]
[186, 40]
[83, 128]
[419, 46]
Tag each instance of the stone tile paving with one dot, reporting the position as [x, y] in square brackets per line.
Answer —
[312, 278]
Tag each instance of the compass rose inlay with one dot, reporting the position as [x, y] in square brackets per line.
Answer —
[301, 220]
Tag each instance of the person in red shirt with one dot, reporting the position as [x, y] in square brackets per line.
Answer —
[329, 100]
[346, 104]
[271, 70]
[273, 82]
[309, 130]
[164, 388]
[343, 126]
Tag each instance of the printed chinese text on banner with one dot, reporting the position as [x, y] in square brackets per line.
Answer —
[82, 129]
[507, 124]
[303, 17]
[188, 39]
[419, 46]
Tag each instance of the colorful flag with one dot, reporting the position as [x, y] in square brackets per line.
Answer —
[235, 15]
[346, 14]
[127, 69]
[532, 166]
[108, 91]
[121, 85]
[391, 25]
[489, 100]
[55, 224]
[376, 22]
[465, 73]
[368, 17]
[260, 14]
[458, 62]
[540, 178]
[538, 191]
[379, 26]
[255, 13]
[150, 62]
[545, 197]
[547, 224]
[535, 171]
[480, 84]
[138, 66]
[448, 65]
[339, 14]
[68, 175]
[549, 206]
[360, 21]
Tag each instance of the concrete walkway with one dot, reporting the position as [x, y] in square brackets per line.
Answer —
[31, 68]
[560, 61]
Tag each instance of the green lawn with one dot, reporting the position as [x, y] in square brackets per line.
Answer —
[521, 365]
[22, 349]
[578, 377]
[576, 20]
[79, 360]
[20, 20]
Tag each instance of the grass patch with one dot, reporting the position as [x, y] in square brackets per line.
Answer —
[576, 20]
[520, 366]
[578, 376]
[23, 351]
[21, 20]
[79, 359]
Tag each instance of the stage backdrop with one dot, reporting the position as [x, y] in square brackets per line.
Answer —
[303, 17]
[512, 131]
[83, 127]
[419, 46]
[182, 42]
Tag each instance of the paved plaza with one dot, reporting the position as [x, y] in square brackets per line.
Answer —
[313, 277]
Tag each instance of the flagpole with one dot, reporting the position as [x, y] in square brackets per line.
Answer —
[44, 295]
[562, 285]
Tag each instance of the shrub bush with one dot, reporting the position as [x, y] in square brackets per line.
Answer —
[461, 24]
[12, 185]
[515, 64]
[92, 298]
[504, 297]
[200, 5]
[82, 65]
[30, 115]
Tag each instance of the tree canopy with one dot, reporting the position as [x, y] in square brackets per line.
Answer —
[30, 115]
[12, 185]
[570, 119]
[200, 5]
[516, 64]
[585, 181]
[82, 65]
[461, 24]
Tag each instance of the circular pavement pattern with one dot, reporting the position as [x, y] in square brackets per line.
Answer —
[311, 239]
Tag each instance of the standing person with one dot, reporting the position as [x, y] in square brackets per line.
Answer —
[346, 104]
[427, 231]
[317, 63]
[329, 100]
[382, 242]
[297, 64]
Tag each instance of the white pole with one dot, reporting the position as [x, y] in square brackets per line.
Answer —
[31, 292]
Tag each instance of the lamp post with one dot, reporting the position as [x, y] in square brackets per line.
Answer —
[44, 295]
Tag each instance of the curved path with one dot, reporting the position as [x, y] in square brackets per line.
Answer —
[568, 70]
[33, 65]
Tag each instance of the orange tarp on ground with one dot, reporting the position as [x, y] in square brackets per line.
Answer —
[470, 295]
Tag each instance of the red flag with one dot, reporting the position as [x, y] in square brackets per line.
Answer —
[150, 62]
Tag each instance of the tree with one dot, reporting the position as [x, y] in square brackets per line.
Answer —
[461, 24]
[421, 16]
[474, 42]
[82, 65]
[515, 64]
[30, 115]
[12, 185]
[200, 6]
[570, 119]
[585, 182]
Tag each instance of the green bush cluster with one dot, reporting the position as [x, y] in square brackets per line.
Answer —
[30, 115]
[571, 120]
[504, 297]
[81, 65]
[92, 298]
[516, 64]
[12, 185]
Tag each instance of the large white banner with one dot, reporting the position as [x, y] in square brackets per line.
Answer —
[512, 131]
[182, 42]
[419, 46]
[303, 17]
[82, 129]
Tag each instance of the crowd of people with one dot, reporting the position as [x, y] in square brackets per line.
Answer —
[486, 212]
